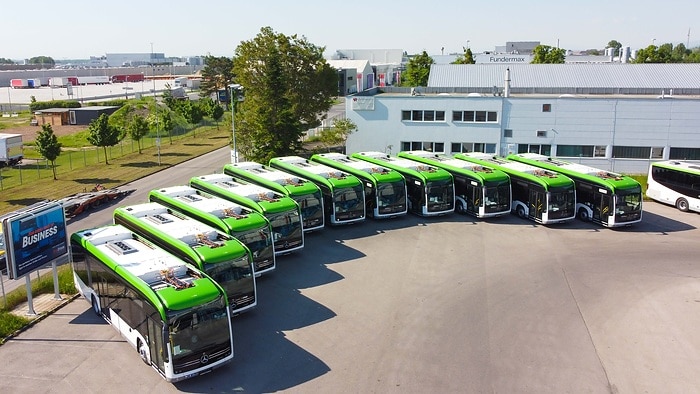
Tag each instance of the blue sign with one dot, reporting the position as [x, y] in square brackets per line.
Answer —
[36, 238]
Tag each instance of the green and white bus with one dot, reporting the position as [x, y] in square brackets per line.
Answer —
[430, 190]
[343, 195]
[248, 226]
[540, 195]
[385, 189]
[480, 191]
[173, 314]
[603, 197]
[675, 182]
[222, 257]
[282, 212]
[303, 191]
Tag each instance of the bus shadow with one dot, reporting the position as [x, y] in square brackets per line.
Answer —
[653, 223]
[265, 359]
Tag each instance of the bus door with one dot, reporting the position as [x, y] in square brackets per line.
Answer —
[370, 198]
[603, 207]
[536, 203]
[476, 196]
[155, 343]
[416, 194]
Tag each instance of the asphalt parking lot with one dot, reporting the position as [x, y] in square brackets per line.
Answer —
[450, 304]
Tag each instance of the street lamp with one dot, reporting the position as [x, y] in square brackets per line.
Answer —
[234, 88]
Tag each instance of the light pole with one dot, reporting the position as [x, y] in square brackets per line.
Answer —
[234, 94]
[155, 103]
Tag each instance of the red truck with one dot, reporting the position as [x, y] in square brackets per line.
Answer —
[121, 78]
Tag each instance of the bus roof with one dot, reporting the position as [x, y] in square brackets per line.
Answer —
[254, 196]
[404, 166]
[236, 216]
[358, 168]
[132, 257]
[198, 240]
[317, 172]
[440, 160]
[608, 179]
[689, 166]
[543, 177]
[277, 180]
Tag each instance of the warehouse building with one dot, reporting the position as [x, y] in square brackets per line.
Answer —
[615, 116]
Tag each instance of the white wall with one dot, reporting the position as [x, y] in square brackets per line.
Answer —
[609, 121]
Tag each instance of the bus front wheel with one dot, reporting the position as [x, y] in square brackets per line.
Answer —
[682, 205]
[583, 215]
[521, 212]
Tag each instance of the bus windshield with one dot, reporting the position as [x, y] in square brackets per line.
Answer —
[259, 242]
[229, 275]
[286, 229]
[497, 198]
[391, 197]
[440, 195]
[628, 202]
[198, 331]
[311, 209]
[348, 202]
[561, 204]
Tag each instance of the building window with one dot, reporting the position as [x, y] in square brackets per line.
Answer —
[423, 116]
[437, 147]
[546, 107]
[631, 152]
[466, 147]
[507, 133]
[599, 151]
[575, 150]
[535, 148]
[541, 133]
[657, 153]
[684, 154]
[475, 116]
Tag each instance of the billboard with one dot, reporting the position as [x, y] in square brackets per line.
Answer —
[35, 237]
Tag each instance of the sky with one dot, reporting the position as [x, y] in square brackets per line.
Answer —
[78, 29]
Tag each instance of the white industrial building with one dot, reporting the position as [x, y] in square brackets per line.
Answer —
[618, 117]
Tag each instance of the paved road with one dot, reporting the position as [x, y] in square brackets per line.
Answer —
[449, 304]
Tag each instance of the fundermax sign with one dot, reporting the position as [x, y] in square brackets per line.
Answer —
[502, 58]
[35, 238]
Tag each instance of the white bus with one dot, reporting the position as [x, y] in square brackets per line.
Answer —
[676, 183]
[174, 315]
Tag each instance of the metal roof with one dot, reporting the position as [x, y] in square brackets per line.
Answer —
[599, 78]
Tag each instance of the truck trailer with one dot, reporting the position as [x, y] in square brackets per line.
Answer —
[10, 149]
[121, 78]
[94, 80]
[19, 83]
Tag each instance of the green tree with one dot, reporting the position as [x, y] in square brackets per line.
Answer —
[338, 134]
[6, 61]
[417, 70]
[101, 133]
[137, 129]
[466, 58]
[615, 45]
[48, 146]
[42, 60]
[546, 54]
[288, 88]
[191, 111]
[217, 74]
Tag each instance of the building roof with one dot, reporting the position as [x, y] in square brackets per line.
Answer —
[374, 56]
[577, 78]
[349, 64]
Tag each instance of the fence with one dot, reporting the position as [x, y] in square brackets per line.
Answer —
[71, 159]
